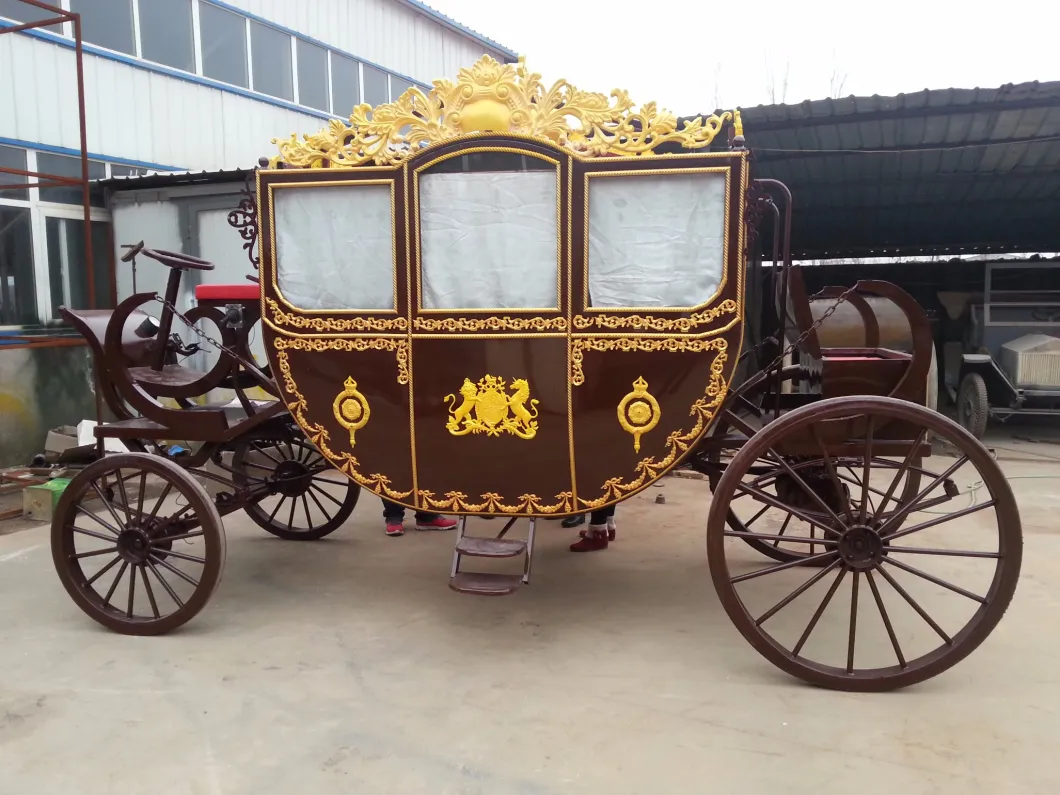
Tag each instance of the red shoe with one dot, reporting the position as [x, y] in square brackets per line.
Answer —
[610, 531]
[592, 539]
[395, 529]
[438, 523]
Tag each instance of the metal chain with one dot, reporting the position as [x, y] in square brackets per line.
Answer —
[184, 319]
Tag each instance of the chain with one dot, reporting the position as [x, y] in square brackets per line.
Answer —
[184, 319]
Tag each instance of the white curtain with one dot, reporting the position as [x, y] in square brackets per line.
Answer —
[489, 240]
[656, 241]
[334, 247]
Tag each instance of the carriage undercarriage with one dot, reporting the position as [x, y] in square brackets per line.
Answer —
[824, 462]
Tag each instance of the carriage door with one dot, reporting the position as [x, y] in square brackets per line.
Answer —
[489, 327]
[657, 312]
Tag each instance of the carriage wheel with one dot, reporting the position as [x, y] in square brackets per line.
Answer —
[302, 503]
[790, 531]
[907, 585]
[138, 544]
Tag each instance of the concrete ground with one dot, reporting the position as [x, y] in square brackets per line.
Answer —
[348, 666]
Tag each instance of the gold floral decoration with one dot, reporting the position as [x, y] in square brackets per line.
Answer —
[504, 323]
[679, 441]
[671, 344]
[496, 97]
[492, 503]
[400, 347]
[649, 323]
[324, 324]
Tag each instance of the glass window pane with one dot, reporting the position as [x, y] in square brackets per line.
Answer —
[12, 157]
[376, 91]
[656, 240]
[66, 166]
[224, 45]
[271, 52]
[345, 85]
[18, 301]
[312, 75]
[21, 12]
[398, 86]
[165, 33]
[108, 23]
[126, 171]
[68, 267]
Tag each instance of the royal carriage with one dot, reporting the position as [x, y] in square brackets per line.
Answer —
[504, 299]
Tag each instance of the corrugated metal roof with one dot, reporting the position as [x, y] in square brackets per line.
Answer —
[160, 179]
[448, 21]
[937, 171]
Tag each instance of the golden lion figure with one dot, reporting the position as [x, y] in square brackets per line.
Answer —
[493, 409]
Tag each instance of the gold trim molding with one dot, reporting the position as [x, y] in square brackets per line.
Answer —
[323, 324]
[490, 324]
[671, 344]
[492, 503]
[495, 97]
[400, 347]
[649, 323]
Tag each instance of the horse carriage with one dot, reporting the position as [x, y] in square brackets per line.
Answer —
[505, 300]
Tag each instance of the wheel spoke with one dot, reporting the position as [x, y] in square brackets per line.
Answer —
[172, 553]
[106, 502]
[828, 542]
[165, 584]
[161, 499]
[313, 497]
[150, 593]
[756, 517]
[117, 579]
[308, 520]
[781, 567]
[853, 623]
[132, 592]
[805, 487]
[262, 467]
[956, 553]
[91, 515]
[256, 447]
[933, 579]
[904, 510]
[791, 597]
[143, 494]
[102, 571]
[91, 533]
[818, 613]
[914, 604]
[933, 522]
[886, 619]
[898, 475]
[830, 467]
[770, 500]
[124, 499]
[276, 510]
[866, 464]
[290, 517]
[181, 537]
[329, 496]
[93, 553]
[166, 564]
[783, 527]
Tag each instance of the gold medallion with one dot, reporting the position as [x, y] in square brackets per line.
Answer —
[638, 412]
[351, 409]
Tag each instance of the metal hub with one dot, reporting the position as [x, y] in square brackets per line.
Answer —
[861, 547]
[134, 546]
[292, 478]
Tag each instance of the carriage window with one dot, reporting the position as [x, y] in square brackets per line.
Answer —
[335, 247]
[489, 233]
[656, 240]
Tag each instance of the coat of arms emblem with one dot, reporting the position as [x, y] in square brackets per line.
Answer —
[488, 407]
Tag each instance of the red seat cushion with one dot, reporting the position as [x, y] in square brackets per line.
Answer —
[227, 292]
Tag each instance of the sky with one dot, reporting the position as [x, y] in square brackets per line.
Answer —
[696, 57]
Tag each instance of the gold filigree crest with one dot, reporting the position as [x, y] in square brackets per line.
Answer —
[678, 442]
[495, 97]
[494, 410]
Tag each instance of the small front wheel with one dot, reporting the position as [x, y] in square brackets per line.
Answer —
[138, 544]
[973, 405]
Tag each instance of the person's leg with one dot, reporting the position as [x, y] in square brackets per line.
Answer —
[394, 518]
[433, 521]
[594, 537]
[606, 517]
[573, 521]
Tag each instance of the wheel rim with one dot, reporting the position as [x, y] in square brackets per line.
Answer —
[303, 501]
[872, 571]
[138, 544]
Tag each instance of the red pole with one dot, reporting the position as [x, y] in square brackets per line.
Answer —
[86, 198]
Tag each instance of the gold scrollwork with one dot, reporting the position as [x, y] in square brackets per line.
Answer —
[649, 323]
[679, 441]
[495, 411]
[493, 503]
[490, 324]
[638, 412]
[496, 97]
[322, 324]
[671, 344]
[318, 434]
[351, 409]
[398, 346]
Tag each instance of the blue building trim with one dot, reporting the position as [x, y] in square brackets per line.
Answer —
[65, 150]
[448, 21]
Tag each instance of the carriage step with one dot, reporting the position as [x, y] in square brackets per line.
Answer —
[490, 547]
[485, 584]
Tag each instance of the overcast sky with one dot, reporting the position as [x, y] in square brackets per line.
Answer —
[691, 56]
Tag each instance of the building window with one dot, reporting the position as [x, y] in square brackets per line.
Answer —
[224, 45]
[271, 52]
[67, 274]
[166, 33]
[108, 23]
[312, 75]
[376, 90]
[23, 12]
[345, 85]
[66, 166]
[398, 86]
[18, 301]
[13, 158]
[126, 171]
